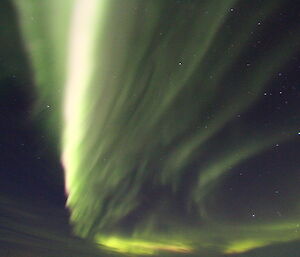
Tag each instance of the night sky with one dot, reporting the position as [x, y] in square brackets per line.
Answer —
[141, 128]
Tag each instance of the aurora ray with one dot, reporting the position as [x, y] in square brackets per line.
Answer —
[149, 93]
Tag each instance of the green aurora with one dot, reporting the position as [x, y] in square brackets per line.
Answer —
[145, 96]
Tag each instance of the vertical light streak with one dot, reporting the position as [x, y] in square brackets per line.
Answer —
[86, 18]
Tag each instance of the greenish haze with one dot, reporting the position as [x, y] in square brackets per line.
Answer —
[143, 91]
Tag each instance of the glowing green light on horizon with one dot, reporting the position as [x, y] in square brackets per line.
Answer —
[136, 246]
[244, 246]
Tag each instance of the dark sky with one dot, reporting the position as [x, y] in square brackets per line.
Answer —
[29, 164]
[262, 189]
